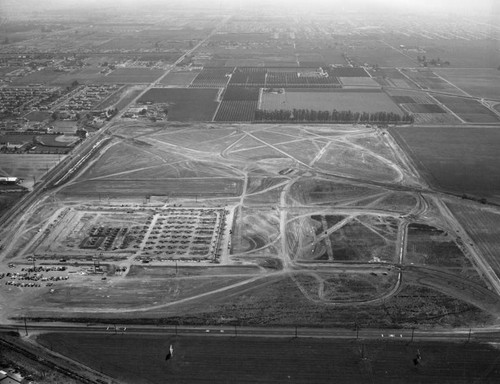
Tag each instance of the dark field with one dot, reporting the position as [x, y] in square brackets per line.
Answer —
[185, 104]
[7, 200]
[141, 359]
[241, 94]
[469, 110]
[424, 108]
[236, 111]
[459, 160]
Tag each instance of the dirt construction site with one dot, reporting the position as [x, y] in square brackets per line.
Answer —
[247, 223]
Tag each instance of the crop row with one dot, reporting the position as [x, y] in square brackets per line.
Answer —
[236, 111]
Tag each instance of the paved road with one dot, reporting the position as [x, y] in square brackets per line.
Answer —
[458, 335]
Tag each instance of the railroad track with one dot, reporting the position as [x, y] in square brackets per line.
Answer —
[48, 363]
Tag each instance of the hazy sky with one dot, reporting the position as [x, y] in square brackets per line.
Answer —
[472, 6]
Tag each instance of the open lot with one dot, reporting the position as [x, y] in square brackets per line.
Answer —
[28, 166]
[132, 75]
[343, 239]
[185, 104]
[358, 101]
[115, 188]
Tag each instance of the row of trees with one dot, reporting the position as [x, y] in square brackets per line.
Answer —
[333, 116]
[433, 62]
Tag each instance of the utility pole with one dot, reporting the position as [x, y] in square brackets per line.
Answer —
[25, 326]
[470, 332]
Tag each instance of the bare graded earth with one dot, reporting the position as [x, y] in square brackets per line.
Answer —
[283, 217]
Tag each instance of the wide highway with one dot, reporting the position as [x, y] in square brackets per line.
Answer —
[491, 334]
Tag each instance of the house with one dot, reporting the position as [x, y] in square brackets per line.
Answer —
[9, 376]
[9, 180]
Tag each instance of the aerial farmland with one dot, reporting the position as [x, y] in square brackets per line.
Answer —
[328, 180]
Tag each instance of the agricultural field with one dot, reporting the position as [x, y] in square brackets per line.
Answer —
[248, 76]
[240, 110]
[359, 82]
[376, 52]
[435, 248]
[184, 104]
[213, 77]
[481, 223]
[427, 79]
[295, 78]
[459, 160]
[179, 78]
[475, 54]
[238, 104]
[484, 83]
[132, 75]
[469, 110]
[87, 75]
[233, 93]
[45, 76]
[423, 107]
[359, 101]
[391, 77]
[141, 359]
[8, 199]
[30, 167]
[347, 72]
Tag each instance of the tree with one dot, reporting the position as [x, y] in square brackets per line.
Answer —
[54, 115]
[75, 84]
